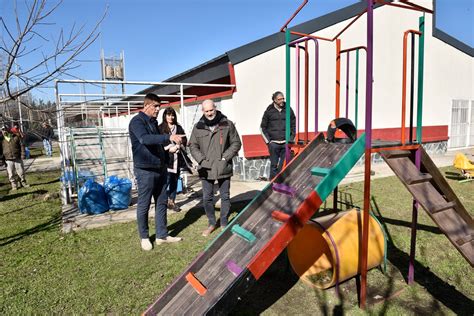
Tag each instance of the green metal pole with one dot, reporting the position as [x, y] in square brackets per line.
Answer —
[421, 54]
[288, 87]
[357, 89]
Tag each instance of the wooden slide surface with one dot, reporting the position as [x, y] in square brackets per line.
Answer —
[254, 238]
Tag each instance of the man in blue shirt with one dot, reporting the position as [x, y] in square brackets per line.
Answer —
[149, 163]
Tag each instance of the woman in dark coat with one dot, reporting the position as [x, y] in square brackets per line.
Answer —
[176, 161]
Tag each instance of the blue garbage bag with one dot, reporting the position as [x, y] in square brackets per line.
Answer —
[119, 192]
[84, 175]
[92, 198]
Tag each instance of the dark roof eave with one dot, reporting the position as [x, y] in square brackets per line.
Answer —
[270, 42]
[448, 39]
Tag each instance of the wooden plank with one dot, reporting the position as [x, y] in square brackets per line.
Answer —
[396, 154]
[468, 238]
[403, 168]
[442, 207]
[423, 177]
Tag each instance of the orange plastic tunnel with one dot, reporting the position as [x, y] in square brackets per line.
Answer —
[326, 251]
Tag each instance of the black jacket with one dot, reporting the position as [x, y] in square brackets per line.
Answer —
[273, 124]
[170, 162]
[147, 143]
[47, 132]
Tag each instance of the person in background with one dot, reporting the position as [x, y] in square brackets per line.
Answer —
[176, 161]
[47, 134]
[17, 131]
[13, 153]
[149, 162]
[214, 142]
[273, 129]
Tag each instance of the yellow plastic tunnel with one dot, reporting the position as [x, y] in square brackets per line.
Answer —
[326, 250]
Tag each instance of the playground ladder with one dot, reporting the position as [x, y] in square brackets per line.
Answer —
[433, 193]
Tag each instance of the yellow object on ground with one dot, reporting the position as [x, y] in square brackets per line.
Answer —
[462, 163]
[327, 249]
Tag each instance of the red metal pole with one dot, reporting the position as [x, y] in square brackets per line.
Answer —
[306, 92]
[293, 16]
[347, 26]
[311, 36]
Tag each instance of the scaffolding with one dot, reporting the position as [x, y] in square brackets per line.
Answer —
[93, 128]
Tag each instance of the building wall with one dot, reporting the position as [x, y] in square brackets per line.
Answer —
[448, 75]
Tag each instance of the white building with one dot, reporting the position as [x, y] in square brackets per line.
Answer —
[258, 69]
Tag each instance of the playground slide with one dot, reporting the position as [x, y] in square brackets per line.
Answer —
[433, 193]
[241, 253]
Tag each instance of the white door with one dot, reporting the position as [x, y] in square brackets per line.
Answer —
[459, 135]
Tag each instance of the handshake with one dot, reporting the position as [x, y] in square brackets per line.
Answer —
[177, 139]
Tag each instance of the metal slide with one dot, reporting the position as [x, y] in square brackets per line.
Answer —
[252, 241]
[433, 193]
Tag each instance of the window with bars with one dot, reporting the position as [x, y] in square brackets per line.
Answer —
[462, 124]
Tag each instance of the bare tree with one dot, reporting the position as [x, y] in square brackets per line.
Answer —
[22, 38]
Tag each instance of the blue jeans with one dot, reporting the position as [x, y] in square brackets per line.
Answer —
[208, 199]
[47, 147]
[172, 185]
[151, 183]
[277, 157]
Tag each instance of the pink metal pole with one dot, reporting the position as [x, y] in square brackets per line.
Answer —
[347, 85]
[298, 88]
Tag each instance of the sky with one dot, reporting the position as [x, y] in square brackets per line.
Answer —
[162, 38]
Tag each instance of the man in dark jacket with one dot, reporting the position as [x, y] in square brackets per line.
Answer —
[13, 153]
[214, 142]
[149, 162]
[273, 128]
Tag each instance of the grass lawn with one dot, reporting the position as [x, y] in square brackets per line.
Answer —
[43, 271]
